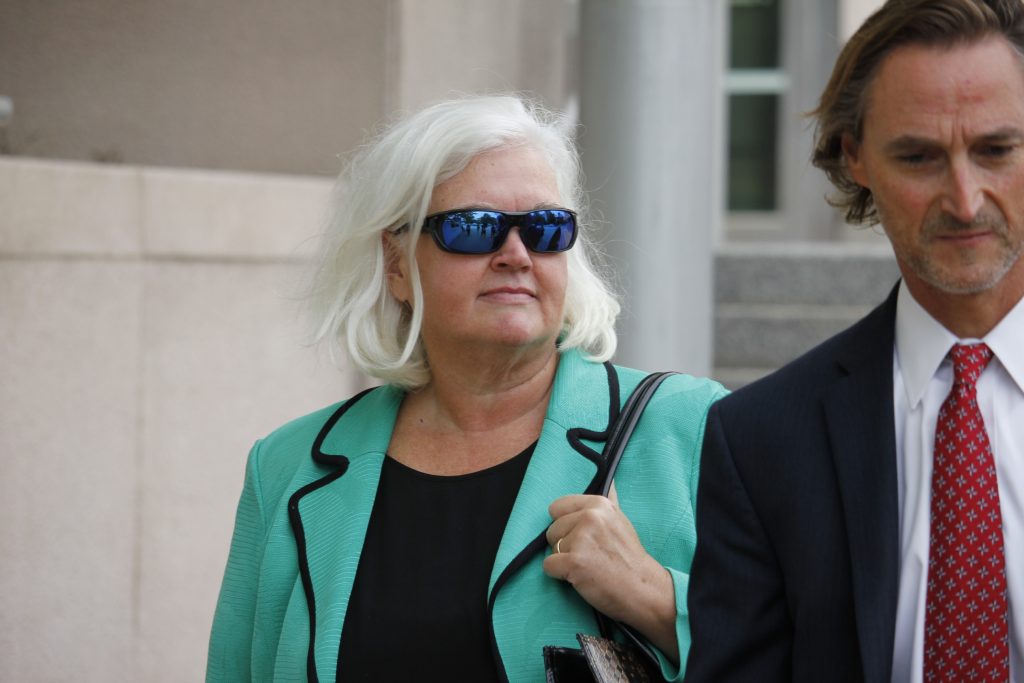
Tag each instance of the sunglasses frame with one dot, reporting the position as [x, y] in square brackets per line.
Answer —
[432, 225]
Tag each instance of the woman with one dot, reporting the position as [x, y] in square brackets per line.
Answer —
[389, 537]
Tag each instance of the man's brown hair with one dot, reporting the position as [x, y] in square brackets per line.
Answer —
[938, 23]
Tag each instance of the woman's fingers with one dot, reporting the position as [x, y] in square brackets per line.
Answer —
[562, 510]
[569, 504]
[569, 511]
[596, 549]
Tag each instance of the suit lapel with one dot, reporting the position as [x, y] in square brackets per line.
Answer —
[859, 414]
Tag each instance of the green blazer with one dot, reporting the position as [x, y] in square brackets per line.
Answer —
[309, 490]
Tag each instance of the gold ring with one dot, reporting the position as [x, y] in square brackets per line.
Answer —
[558, 546]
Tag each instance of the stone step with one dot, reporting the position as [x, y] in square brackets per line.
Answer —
[804, 273]
[775, 301]
[765, 335]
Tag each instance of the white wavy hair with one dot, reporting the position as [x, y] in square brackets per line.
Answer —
[389, 183]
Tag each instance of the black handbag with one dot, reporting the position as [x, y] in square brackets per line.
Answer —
[602, 659]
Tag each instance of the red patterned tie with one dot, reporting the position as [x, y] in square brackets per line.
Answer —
[965, 625]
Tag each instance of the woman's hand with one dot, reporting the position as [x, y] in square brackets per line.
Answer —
[597, 550]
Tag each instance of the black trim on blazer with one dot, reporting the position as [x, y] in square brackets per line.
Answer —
[576, 434]
[341, 462]
[330, 458]
[531, 549]
[540, 542]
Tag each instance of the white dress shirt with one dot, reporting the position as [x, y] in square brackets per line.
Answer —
[922, 378]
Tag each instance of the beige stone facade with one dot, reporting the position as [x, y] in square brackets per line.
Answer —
[151, 333]
[283, 87]
[148, 313]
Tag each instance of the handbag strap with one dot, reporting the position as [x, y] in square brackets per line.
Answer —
[623, 428]
[626, 422]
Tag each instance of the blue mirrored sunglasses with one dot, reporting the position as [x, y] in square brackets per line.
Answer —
[482, 231]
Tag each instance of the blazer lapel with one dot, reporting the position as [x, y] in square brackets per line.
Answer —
[565, 458]
[527, 608]
[859, 414]
[330, 517]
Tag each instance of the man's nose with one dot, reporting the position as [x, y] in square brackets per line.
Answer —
[964, 195]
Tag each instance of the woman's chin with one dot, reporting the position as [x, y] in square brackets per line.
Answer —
[523, 337]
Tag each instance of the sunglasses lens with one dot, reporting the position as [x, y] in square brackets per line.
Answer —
[483, 232]
[548, 230]
[471, 232]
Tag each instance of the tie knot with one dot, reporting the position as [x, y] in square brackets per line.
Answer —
[968, 362]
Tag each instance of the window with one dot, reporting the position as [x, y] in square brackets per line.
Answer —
[754, 85]
[779, 57]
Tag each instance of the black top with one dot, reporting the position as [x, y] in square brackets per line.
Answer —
[418, 609]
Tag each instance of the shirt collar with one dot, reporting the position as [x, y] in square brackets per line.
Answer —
[1005, 340]
[922, 344]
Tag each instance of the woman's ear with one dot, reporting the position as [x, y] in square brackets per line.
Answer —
[396, 268]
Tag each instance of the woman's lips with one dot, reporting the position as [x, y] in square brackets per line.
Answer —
[509, 295]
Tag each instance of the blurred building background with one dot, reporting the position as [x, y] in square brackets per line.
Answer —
[164, 171]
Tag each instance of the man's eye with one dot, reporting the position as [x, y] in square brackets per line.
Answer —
[996, 151]
[914, 158]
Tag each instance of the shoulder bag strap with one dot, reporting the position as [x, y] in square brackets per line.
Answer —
[623, 428]
[624, 425]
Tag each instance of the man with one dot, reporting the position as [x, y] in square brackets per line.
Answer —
[860, 512]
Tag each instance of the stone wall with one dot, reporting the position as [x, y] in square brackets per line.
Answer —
[150, 334]
[258, 85]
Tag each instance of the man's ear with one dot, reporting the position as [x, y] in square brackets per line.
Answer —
[396, 268]
[854, 161]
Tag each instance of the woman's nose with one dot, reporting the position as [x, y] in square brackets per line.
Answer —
[512, 253]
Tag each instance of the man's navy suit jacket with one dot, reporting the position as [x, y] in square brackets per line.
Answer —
[795, 576]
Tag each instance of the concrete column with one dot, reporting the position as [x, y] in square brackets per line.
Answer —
[651, 107]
